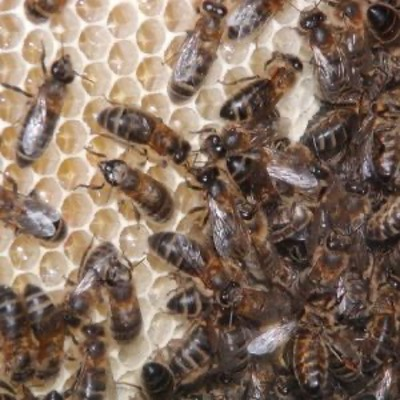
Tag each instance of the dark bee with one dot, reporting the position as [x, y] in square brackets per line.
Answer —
[250, 15]
[39, 11]
[134, 126]
[32, 216]
[261, 96]
[126, 317]
[47, 323]
[197, 53]
[17, 344]
[158, 380]
[151, 196]
[41, 120]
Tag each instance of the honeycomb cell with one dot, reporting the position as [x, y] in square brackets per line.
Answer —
[208, 103]
[12, 106]
[94, 42]
[48, 162]
[160, 289]
[123, 57]
[125, 91]
[142, 276]
[71, 137]
[173, 16]
[187, 199]
[7, 234]
[104, 147]
[158, 104]
[161, 329]
[92, 10]
[23, 279]
[77, 209]
[76, 245]
[6, 271]
[73, 172]
[150, 36]
[12, 68]
[34, 42]
[234, 53]
[134, 157]
[11, 31]
[152, 74]
[101, 193]
[49, 191]
[53, 268]
[234, 79]
[98, 79]
[288, 16]
[287, 40]
[6, 5]
[74, 101]
[8, 142]
[135, 353]
[24, 252]
[184, 120]
[90, 112]
[65, 26]
[258, 59]
[33, 80]
[122, 20]
[133, 241]
[105, 224]
[163, 174]
[151, 8]
[22, 177]
[194, 221]
[127, 210]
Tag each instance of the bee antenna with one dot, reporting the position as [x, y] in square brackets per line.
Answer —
[204, 130]
[95, 153]
[83, 77]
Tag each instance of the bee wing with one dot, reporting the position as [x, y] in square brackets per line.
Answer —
[90, 279]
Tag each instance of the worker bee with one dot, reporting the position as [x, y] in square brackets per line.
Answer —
[7, 392]
[152, 197]
[134, 126]
[47, 323]
[41, 120]
[39, 11]
[126, 317]
[261, 96]
[53, 395]
[17, 344]
[250, 15]
[197, 53]
[158, 380]
[30, 215]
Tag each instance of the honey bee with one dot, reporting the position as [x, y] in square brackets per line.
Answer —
[251, 15]
[197, 53]
[126, 317]
[7, 392]
[134, 126]
[158, 380]
[30, 215]
[391, 264]
[39, 11]
[53, 395]
[152, 197]
[261, 96]
[17, 344]
[47, 323]
[41, 120]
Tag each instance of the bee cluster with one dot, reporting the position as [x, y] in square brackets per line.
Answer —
[288, 270]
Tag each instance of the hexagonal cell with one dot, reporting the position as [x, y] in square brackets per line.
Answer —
[150, 36]
[34, 41]
[71, 137]
[173, 16]
[12, 106]
[12, 68]
[77, 209]
[133, 241]
[105, 224]
[135, 353]
[49, 191]
[8, 143]
[24, 252]
[34, 79]
[22, 176]
[258, 59]
[234, 53]
[165, 175]
[76, 245]
[287, 40]
[53, 268]
[91, 10]
[125, 91]
[209, 102]
[11, 32]
[122, 20]
[98, 79]
[235, 79]
[6, 271]
[6, 5]
[161, 329]
[288, 15]
[73, 172]
[186, 199]
[74, 101]
[152, 74]
[142, 276]
[123, 57]
[65, 26]
[157, 104]
[90, 112]
[48, 162]
[127, 209]
[101, 193]
[151, 8]
[94, 41]
[23, 279]
[184, 120]
[104, 146]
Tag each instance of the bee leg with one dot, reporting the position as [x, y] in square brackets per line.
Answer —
[17, 89]
[91, 187]
[12, 182]
[236, 81]
[43, 59]
[192, 186]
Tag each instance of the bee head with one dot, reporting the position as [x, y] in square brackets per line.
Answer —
[114, 171]
[214, 8]
[213, 145]
[310, 19]
[181, 153]
[62, 70]
[207, 176]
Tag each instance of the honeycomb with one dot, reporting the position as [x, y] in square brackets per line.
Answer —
[123, 51]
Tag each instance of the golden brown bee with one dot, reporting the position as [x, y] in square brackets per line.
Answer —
[17, 345]
[41, 120]
[158, 380]
[47, 323]
[250, 15]
[151, 196]
[30, 215]
[134, 126]
[39, 11]
[126, 317]
[261, 96]
[197, 53]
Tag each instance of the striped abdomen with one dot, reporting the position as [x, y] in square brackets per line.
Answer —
[39, 11]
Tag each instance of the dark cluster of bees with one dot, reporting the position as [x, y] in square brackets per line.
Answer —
[290, 274]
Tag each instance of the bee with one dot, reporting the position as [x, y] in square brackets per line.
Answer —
[158, 380]
[261, 96]
[134, 126]
[93, 380]
[7, 392]
[39, 11]
[53, 395]
[391, 264]
[152, 197]
[41, 120]
[197, 53]
[17, 344]
[47, 323]
[251, 15]
[126, 317]
[30, 215]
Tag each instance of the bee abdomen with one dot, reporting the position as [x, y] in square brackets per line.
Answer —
[158, 380]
